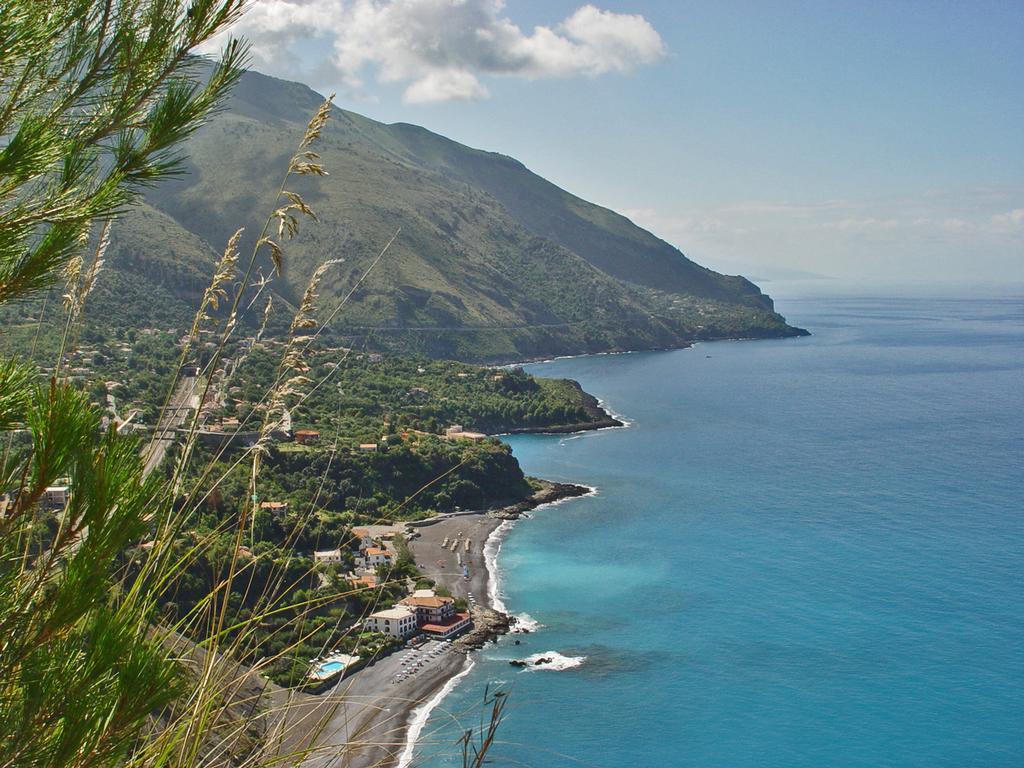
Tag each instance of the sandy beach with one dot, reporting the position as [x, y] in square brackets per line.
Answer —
[442, 563]
[364, 720]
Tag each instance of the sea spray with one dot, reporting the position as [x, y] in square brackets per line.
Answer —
[553, 661]
[626, 423]
[420, 715]
[524, 622]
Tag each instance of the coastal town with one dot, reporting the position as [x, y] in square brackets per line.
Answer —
[387, 587]
[422, 615]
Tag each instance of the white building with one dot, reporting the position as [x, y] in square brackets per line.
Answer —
[363, 537]
[397, 622]
[327, 556]
[371, 557]
[430, 608]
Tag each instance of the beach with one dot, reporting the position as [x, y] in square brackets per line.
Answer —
[365, 719]
[441, 564]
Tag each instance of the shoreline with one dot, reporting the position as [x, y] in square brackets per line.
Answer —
[490, 616]
[796, 332]
[366, 720]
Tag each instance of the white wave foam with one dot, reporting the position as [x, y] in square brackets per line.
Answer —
[592, 490]
[525, 623]
[558, 662]
[491, 549]
[420, 715]
[626, 423]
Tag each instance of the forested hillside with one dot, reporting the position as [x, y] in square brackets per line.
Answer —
[491, 262]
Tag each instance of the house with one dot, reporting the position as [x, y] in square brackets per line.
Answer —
[363, 537]
[368, 580]
[368, 447]
[327, 556]
[397, 622]
[371, 557]
[307, 436]
[430, 608]
[444, 630]
[56, 496]
[456, 432]
[275, 507]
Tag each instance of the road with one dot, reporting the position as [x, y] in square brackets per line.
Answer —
[172, 417]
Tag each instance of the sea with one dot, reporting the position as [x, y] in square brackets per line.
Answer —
[802, 553]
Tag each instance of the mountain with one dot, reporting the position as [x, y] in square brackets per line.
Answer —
[492, 262]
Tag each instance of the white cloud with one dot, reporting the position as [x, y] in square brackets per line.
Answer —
[966, 233]
[441, 48]
[1009, 221]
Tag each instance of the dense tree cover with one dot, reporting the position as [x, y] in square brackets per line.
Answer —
[95, 100]
[365, 396]
[326, 492]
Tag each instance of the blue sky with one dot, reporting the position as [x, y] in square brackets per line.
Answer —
[857, 139]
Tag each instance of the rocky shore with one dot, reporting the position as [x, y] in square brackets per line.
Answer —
[549, 493]
[488, 626]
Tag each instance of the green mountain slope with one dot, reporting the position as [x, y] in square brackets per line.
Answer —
[492, 261]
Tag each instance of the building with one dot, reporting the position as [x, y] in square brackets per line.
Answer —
[444, 630]
[275, 507]
[397, 622]
[327, 556]
[371, 557]
[307, 436]
[56, 496]
[368, 447]
[367, 580]
[456, 432]
[363, 537]
[436, 615]
[430, 608]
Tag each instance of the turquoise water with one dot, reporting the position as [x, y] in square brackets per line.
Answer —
[331, 666]
[803, 553]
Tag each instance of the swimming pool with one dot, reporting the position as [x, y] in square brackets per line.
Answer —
[332, 666]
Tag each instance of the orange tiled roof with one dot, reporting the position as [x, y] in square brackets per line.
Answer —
[427, 602]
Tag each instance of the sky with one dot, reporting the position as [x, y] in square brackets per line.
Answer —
[856, 140]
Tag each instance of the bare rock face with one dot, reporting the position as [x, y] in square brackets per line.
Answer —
[549, 493]
[488, 626]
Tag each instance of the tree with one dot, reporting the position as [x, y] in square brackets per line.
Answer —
[95, 100]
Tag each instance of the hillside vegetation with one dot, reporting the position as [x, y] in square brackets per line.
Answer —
[492, 262]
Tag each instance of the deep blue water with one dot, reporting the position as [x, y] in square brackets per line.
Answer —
[803, 553]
